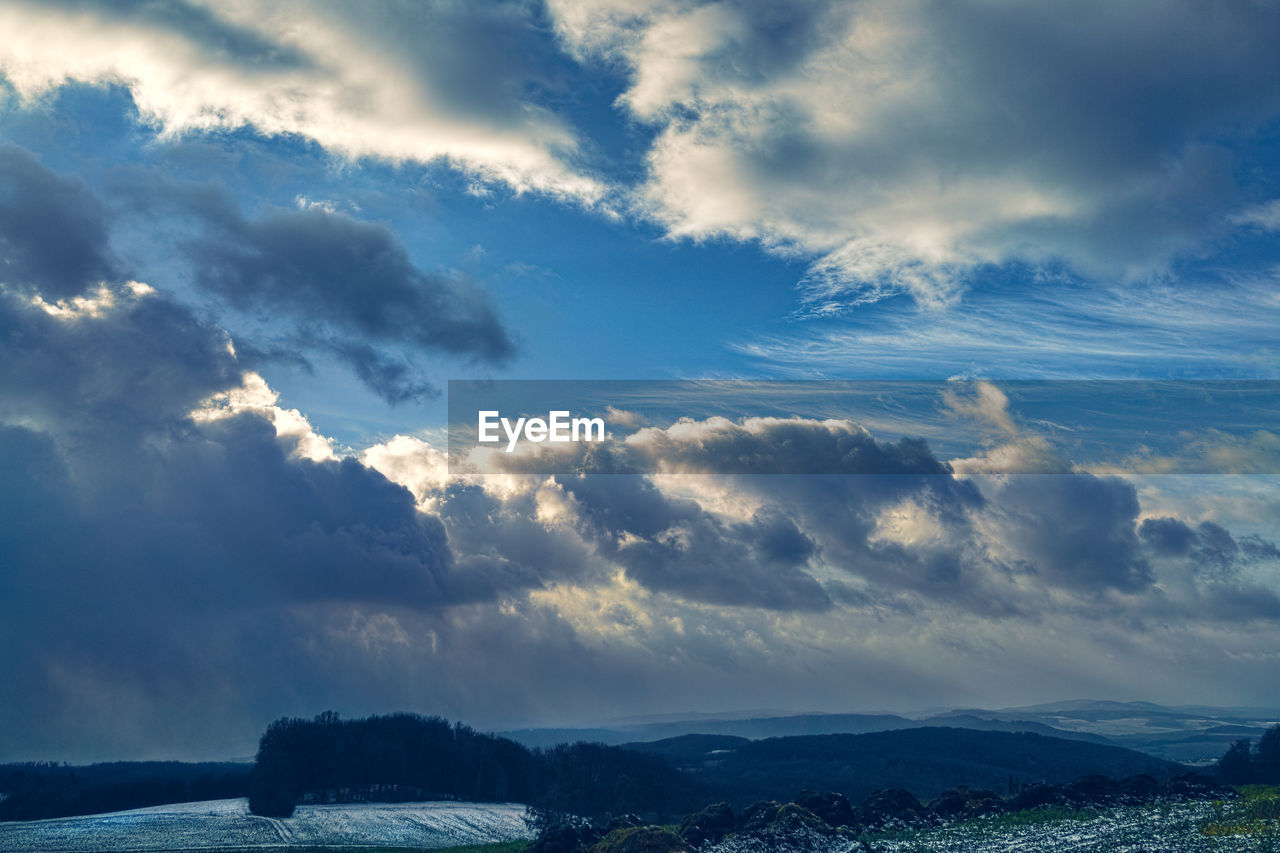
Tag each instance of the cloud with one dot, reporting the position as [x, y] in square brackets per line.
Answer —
[348, 285]
[1056, 327]
[219, 494]
[183, 553]
[451, 82]
[53, 231]
[1076, 529]
[780, 446]
[356, 276]
[673, 545]
[908, 146]
[1265, 217]
[168, 527]
[1211, 551]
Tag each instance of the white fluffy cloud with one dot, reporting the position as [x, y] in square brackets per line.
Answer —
[906, 144]
[446, 81]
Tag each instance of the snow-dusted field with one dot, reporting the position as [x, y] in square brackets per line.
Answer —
[228, 824]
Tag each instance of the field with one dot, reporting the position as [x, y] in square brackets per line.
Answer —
[227, 825]
[1247, 826]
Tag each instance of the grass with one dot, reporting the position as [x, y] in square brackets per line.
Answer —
[1256, 814]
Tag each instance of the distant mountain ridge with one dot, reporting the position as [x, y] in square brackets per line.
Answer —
[797, 724]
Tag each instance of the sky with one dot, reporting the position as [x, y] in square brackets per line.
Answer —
[1005, 273]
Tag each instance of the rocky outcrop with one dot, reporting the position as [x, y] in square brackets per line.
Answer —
[1197, 786]
[891, 806]
[709, 825]
[642, 839]
[831, 807]
[962, 802]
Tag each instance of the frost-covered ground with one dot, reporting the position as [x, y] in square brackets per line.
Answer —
[228, 824]
[1139, 829]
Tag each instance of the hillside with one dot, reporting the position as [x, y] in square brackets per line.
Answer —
[36, 791]
[925, 761]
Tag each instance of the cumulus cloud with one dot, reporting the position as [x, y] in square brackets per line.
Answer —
[349, 286]
[166, 521]
[672, 544]
[181, 549]
[53, 230]
[907, 145]
[354, 275]
[454, 82]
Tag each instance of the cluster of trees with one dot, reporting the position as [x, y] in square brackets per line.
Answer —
[35, 791]
[404, 757]
[1243, 763]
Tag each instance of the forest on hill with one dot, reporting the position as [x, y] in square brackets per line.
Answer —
[406, 757]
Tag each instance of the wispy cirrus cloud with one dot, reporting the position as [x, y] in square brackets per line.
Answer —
[1205, 326]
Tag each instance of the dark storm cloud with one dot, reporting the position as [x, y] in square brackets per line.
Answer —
[348, 286]
[53, 231]
[1212, 555]
[113, 393]
[1168, 536]
[1079, 530]
[143, 366]
[151, 554]
[391, 378]
[354, 275]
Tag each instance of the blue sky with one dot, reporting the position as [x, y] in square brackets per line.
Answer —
[752, 293]
[245, 246]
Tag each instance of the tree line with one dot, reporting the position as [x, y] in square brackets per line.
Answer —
[408, 757]
[1244, 763]
[40, 790]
